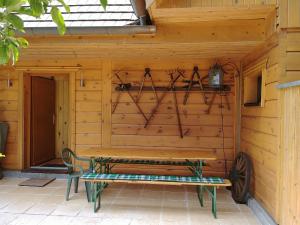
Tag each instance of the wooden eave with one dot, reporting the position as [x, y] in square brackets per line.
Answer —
[222, 39]
[198, 14]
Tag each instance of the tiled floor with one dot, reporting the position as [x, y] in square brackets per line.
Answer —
[121, 205]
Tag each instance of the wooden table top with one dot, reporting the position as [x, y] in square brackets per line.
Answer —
[150, 154]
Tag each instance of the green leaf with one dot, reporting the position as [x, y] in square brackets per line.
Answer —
[14, 53]
[3, 53]
[103, 3]
[13, 5]
[67, 8]
[1, 3]
[23, 43]
[26, 11]
[58, 19]
[45, 6]
[37, 7]
[16, 21]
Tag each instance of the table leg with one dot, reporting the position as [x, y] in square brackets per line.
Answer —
[200, 194]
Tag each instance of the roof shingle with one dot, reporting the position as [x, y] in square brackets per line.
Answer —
[88, 13]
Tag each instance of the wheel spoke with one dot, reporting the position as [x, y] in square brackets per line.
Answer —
[244, 166]
[239, 187]
[240, 176]
[237, 165]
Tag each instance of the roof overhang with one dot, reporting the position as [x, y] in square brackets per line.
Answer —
[114, 30]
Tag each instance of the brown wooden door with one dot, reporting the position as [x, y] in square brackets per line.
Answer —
[42, 120]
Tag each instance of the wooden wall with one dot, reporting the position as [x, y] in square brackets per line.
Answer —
[290, 146]
[61, 114]
[96, 126]
[9, 97]
[260, 134]
[290, 196]
[212, 3]
[88, 115]
[292, 55]
[202, 131]
[289, 13]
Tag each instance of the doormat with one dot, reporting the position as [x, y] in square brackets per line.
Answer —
[33, 182]
[53, 165]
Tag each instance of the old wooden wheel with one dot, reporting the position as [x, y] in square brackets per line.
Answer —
[240, 177]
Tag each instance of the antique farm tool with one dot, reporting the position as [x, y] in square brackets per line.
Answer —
[126, 87]
[122, 87]
[117, 102]
[213, 99]
[211, 103]
[191, 84]
[240, 177]
[176, 106]
[147, 74]
[172, 82]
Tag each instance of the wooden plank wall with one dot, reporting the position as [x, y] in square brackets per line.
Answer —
[9, 113]
[96, 126]
[290, 146]
[292, 56]
[61, 113]
[260, 135]
[211, 3]
[290, 197]
[289, 13]
[88, 109]
[202, 131]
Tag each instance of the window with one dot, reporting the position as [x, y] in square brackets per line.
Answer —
[254, 87]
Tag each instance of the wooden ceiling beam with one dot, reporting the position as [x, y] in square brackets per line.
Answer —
[197, 14]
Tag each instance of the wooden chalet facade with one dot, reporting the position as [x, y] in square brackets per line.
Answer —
[259, 36]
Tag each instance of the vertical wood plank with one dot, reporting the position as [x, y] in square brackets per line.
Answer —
[293, 13]
[72, 106]
[106, 103]
[290, 157]
[283, 13]
[27, 112]
[20, 136]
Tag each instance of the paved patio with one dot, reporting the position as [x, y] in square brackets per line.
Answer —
[121, 205]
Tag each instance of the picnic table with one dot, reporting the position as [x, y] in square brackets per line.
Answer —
[102, 161]
[106, 158]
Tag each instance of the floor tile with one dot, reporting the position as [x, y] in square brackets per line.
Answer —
[6, 218]
[42, 209]
[57, 220]
[28, 219]
[116, 221]
[121, 204]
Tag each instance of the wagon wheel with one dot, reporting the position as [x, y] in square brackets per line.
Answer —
[240, 178]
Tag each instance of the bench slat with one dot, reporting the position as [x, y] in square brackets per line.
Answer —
[189, 180]
[150, 162]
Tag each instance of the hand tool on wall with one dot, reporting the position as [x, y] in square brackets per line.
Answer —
[116, 103]
[213, 99]
[122, 87]
[171, 83]
[191, 84]
[147, 74]
[211, 103]
[176, 105]
[126, 87]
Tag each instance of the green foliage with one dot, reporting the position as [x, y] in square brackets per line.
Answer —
[11, 23]
[58, 19]
[103, 3]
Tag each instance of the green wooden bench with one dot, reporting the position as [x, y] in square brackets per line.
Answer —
[210, 184]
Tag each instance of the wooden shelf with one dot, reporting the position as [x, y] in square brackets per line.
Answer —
[224, 89]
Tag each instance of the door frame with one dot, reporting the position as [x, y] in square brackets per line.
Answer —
[24, 112]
